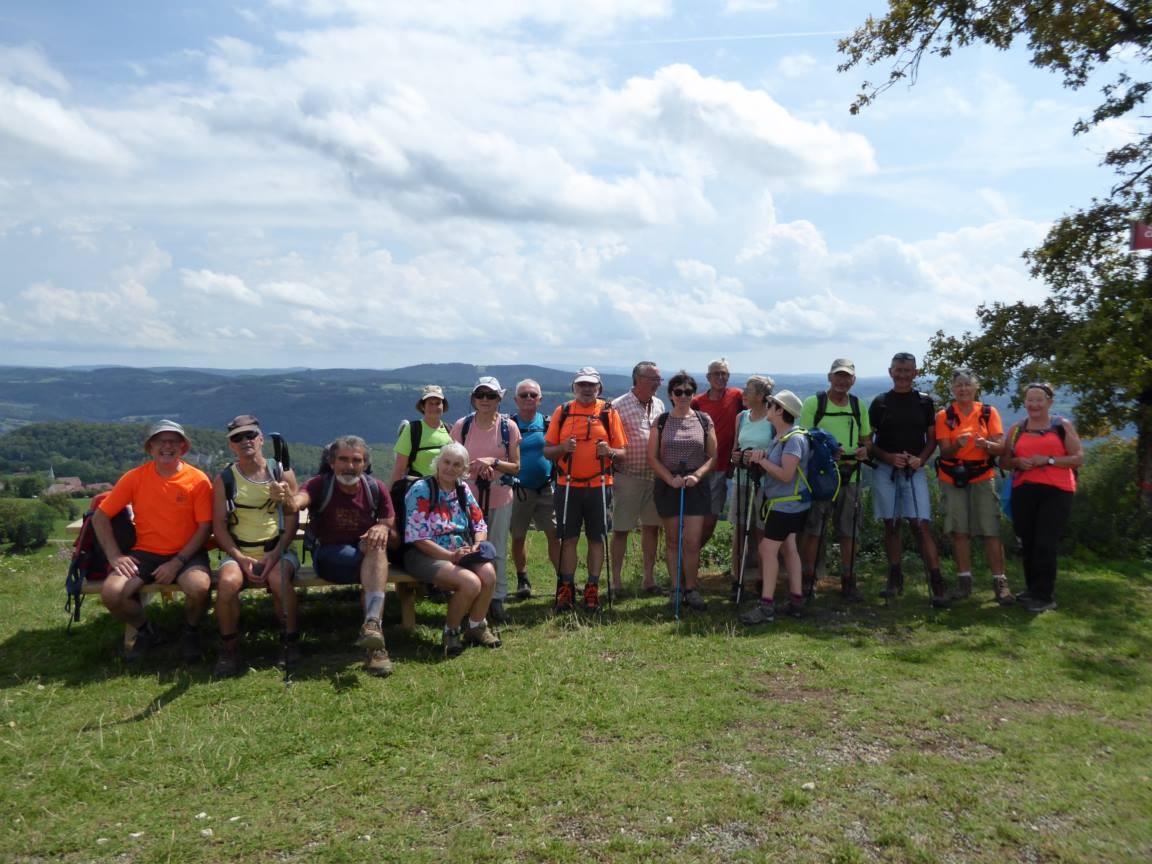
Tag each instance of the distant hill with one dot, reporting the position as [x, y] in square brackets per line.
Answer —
[307, 405]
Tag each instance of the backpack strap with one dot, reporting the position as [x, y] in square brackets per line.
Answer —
[821, 407]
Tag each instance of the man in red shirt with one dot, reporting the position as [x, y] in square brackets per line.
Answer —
[723, 404]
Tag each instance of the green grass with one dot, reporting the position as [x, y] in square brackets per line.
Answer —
[860, 734]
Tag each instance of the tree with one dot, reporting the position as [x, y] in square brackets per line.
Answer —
[1091, 335]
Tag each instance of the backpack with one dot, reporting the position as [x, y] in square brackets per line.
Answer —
[504, 434]
[964, 471]
[822, 409]
[606, 409]
[228, 479]
[366, 480]
[819, 478]
[399, 497]
[1057, 426]
[88, 559]
[662, 421]
[415, 432]
[925, 405]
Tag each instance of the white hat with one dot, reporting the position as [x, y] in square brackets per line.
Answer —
[586, 374]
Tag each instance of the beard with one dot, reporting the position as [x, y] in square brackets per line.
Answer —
[348, 479]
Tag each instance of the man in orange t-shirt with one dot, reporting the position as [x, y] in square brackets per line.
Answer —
[583, 438]
[172, 510]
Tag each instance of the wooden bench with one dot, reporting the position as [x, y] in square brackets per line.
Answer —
[405, 586]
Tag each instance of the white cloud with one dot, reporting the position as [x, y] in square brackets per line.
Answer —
[43, 126]
[222, 285]
[28, 63]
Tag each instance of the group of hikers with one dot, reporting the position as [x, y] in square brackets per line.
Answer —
[608, 469]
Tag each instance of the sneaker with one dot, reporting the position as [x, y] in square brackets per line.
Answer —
[794, 609]
[190, 649]
[290, 654]
[565, 593]
[371, 635]
[939, 592]
[378, 663]
[655, 590]
[496, 612]
[849, 593]
[761, 613]
[523, 588]
[481, 635]
[592, 597]
[1035, 604]
[452, 644]
[693, 600]
[939, 602]
[1024, 597]
[228, 663]
[1000, 590]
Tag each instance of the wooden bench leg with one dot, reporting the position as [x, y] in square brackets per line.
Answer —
[406, 594]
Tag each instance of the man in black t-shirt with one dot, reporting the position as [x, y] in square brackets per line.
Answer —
[904, 437]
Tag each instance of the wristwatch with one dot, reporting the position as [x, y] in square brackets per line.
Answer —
[1051, 460]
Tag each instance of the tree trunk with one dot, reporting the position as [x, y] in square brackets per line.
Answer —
[1144, 452]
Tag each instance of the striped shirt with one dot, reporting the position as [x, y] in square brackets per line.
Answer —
[637, 420]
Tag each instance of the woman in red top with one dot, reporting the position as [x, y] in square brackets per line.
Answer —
[1044, 453]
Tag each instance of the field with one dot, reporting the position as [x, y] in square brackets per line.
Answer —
[864, 733]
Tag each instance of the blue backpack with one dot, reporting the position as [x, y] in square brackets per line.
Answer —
[819, 478]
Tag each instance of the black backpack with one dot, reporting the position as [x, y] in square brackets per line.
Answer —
[314, 509]
[88, 559]
[822, 410]
[415, 433]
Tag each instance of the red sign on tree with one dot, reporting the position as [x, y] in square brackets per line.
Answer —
[1141, 236]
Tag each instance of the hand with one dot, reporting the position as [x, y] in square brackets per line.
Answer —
[983, 443]
[570, 445]
[483, 469]
[962, 441]
[125, 566]
[913, 462]
[167, 572]
[899, 460]
[258, 571]
[375, 538]
[602, 449]
[861, 454]
[739, 457]
[691, 480]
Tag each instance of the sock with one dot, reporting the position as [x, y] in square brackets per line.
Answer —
[767, 601]
[450, 631]
[998, 576]
[473, 623]
[967, 574]
[797, 599]
[374, 604]
[567, 578]
[592, 580]
[521, 575]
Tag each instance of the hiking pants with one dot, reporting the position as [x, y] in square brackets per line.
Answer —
[1039, 515]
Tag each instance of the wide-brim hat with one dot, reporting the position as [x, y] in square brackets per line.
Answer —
[789, 401]
[586, 374]
[166, 426]
[431, 390]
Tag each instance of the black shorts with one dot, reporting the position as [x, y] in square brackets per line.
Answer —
[697, 499]
[147, 562]
[584, 507]
[779, 525]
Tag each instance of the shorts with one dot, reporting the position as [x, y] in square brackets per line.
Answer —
[779, 524]
[717, 485]
[147, 562]
[338, 563]
[632, 503]
[697, 499]
[843, 511]
[289, 557]
[422, 567]
[894, 496]
[536, 508]
[973, 510]
[585, 508]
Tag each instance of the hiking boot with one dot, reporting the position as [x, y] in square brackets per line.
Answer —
[497, 613]
[939, 591]
[1024, 597]
[693, 600]
[481, 635]
[963, 589]
[1000, 590]
[808, 588]
[378, 663]
[592, 597]
[565, 592]
[895, 585]
[290, 654]
[371, 635]
[794, 609]
[849, 593]
[190, 648]
[228, 663]
[1036, 604]
[523, 588]
[146, 639]
[452, 643]
[761, 613]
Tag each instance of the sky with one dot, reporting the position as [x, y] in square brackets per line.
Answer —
[359, 183]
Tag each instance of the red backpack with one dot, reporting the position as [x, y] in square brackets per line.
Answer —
[88, 560]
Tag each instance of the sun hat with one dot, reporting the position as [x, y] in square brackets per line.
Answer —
[789, 401]
[490, 383]
[586, 374]
[166, 426]
[842, 365]
[243, 423]
[431, 390]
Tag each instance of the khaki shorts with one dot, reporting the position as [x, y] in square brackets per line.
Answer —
[842, 510]
[632, 503]
[973, 510]
[718, 493]
[537, 508]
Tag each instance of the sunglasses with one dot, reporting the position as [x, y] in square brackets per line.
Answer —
[683, 391]
[528, 395]
[486, 394]
[243, 436]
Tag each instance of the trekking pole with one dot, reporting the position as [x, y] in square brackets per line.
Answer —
[909, 475]
[810, 590]
[484, 487]
[747, 529]
[604, 507]
[563, 526]
[280, 454]
[856, 472]
[679, 548]
[737, 568]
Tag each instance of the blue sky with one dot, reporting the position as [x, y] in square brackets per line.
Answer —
[355, 183]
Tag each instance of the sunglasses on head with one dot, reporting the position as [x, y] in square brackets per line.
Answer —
[683, 391]
[903, 357]
[243, 436]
